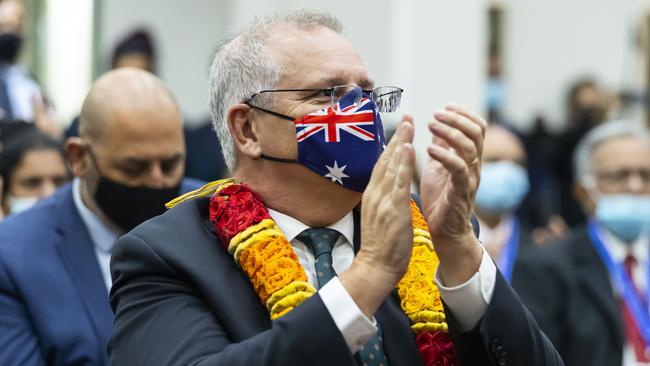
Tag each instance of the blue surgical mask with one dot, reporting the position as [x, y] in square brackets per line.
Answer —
[625, 215]
[503, 186]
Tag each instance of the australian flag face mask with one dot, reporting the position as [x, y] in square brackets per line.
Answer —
[342, 142]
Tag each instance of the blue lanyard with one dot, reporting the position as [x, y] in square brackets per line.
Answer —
[509, 254]
[624, 285]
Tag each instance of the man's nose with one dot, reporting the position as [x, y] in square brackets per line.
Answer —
[635, 183]
[47, 188]
[156, 177]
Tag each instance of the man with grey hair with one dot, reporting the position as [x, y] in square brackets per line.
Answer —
[297, 116]
[589, 291]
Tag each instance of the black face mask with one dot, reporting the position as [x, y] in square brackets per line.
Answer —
[10, 46]
[128, 207]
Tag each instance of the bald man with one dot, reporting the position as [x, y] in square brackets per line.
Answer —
[54, 258]
[504, 184]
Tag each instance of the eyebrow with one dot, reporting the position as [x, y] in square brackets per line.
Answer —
[333, 81]
[138, 161]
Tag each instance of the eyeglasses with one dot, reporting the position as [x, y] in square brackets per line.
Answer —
[619, 178]
[386, 98]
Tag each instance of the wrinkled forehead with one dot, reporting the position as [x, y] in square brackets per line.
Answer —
[315, 57]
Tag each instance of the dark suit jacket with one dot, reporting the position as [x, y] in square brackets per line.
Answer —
[567, 288]
[180, 299]
[54, 306]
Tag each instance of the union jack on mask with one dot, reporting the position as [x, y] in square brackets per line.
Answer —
[342, 143]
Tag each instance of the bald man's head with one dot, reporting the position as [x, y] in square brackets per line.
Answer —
[502, 145]
[119, 97]
[130, 133]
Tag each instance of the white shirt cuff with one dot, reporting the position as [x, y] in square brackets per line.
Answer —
[355, 327]
[469, 300]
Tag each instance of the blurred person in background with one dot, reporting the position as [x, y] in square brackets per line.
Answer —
[20, 96]
[588, 105]
[54, 258]
[589, 291]
[503, 187]
[136, 50]
[32, 166]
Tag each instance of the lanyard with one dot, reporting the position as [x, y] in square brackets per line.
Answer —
[509, 253]
[624, 285]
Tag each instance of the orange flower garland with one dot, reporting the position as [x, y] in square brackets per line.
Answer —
[258, 246]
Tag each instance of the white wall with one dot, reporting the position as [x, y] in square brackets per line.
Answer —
[68, 55]
[551, 43]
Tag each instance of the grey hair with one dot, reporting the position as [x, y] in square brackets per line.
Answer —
[242, 67]
[582, 158]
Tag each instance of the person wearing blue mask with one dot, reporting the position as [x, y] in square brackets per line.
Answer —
[504, 185]
[317, 193]
[589, 291]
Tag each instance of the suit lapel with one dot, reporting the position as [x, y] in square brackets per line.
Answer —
[399, 341]
[76, 250]
[596, 281]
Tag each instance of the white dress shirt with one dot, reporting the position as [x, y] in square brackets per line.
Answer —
[618, 250]
[467, 301]
[102, 237]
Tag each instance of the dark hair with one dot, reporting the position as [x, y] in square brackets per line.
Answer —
[138, 42]
[15, 150]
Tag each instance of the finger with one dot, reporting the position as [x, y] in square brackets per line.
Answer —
[402, 186]
[379, 170]
[457, 140]
[453, 163]
[471, 116]
[390, 174]
[409, 130]
[465, 125]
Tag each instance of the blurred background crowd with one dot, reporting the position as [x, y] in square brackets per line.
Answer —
[545, 74]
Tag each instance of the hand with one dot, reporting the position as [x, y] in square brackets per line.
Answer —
[554, 229]
[448, 189]
[386, 227]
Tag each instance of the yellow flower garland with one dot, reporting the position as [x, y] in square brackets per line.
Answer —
[269, 261]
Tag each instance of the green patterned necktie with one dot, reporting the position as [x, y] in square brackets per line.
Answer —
[321, 242]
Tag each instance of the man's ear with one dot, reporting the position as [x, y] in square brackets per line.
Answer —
[77, 153]
[243, 131]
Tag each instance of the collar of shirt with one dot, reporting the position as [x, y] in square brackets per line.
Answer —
[487, 233]
[618, 249]
[101, 235]
[291, 227]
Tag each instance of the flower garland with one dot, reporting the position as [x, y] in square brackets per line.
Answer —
[248, 232]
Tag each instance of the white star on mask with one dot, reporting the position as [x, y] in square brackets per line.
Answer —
[336, 173]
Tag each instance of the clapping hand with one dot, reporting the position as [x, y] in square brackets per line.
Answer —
[448, 189]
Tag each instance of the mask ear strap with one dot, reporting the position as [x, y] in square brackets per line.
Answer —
[279, 160]
[93, 158]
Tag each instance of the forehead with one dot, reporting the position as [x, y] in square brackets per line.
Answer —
[144, 132]
[621, 153]
[41, 162]
[315, 57]
[500, 144]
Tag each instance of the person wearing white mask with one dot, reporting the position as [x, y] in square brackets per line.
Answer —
[589, 292]
[504, 185]
[32, 166]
